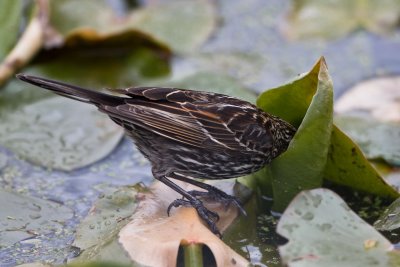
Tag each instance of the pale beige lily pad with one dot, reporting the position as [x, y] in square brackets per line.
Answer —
[149, 237]
[334, 19]
[22, 217]
[59, 133]
[152, 238]
[323, 231]
[376, 98]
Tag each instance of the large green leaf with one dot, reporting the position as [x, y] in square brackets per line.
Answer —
[318, 150]
[323, 231]
[302, 165]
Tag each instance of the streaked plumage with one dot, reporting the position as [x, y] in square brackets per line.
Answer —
[189, 134]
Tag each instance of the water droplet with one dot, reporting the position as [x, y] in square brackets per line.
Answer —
[35, 216]
[107, 222]
[92, 226]
[308, 216]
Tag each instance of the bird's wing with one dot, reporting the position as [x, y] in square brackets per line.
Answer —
[190, 117]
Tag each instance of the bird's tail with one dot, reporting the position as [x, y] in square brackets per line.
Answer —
[71, 91]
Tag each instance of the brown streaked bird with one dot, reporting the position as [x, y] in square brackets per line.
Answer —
[188, 135]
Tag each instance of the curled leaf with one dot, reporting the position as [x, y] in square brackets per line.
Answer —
[309, 102]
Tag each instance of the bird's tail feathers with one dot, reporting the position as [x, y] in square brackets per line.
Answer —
[71, 91]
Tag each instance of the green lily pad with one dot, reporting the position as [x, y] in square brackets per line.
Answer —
[97, 234]
[390, 218]
[181, 25]
[378, 140]
[48, 133]
[108, 215]
[333, 19]
[323, 231]
[10, 18]
[22, 217]
[302, 165]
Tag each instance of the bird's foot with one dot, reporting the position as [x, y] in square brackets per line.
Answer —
[217, 195]
[207, 215]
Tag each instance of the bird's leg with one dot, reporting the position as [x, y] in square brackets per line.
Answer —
[211, 192]
[208, 216]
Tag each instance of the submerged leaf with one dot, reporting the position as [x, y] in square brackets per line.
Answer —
[302, 165]
[323, 231]
[49, 133]
[390, 219]
[22, 217]
[152, 238]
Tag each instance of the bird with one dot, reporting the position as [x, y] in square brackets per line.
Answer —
[189, 135]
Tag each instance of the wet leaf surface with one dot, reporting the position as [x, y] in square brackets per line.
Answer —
[97, 234]
[49, 134]
[334, 19]
[23, 217]
[323, 231]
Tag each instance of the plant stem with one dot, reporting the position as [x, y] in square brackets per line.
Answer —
[193, 255]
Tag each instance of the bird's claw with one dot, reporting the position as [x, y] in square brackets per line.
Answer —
[207, 215]
[214, 194]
